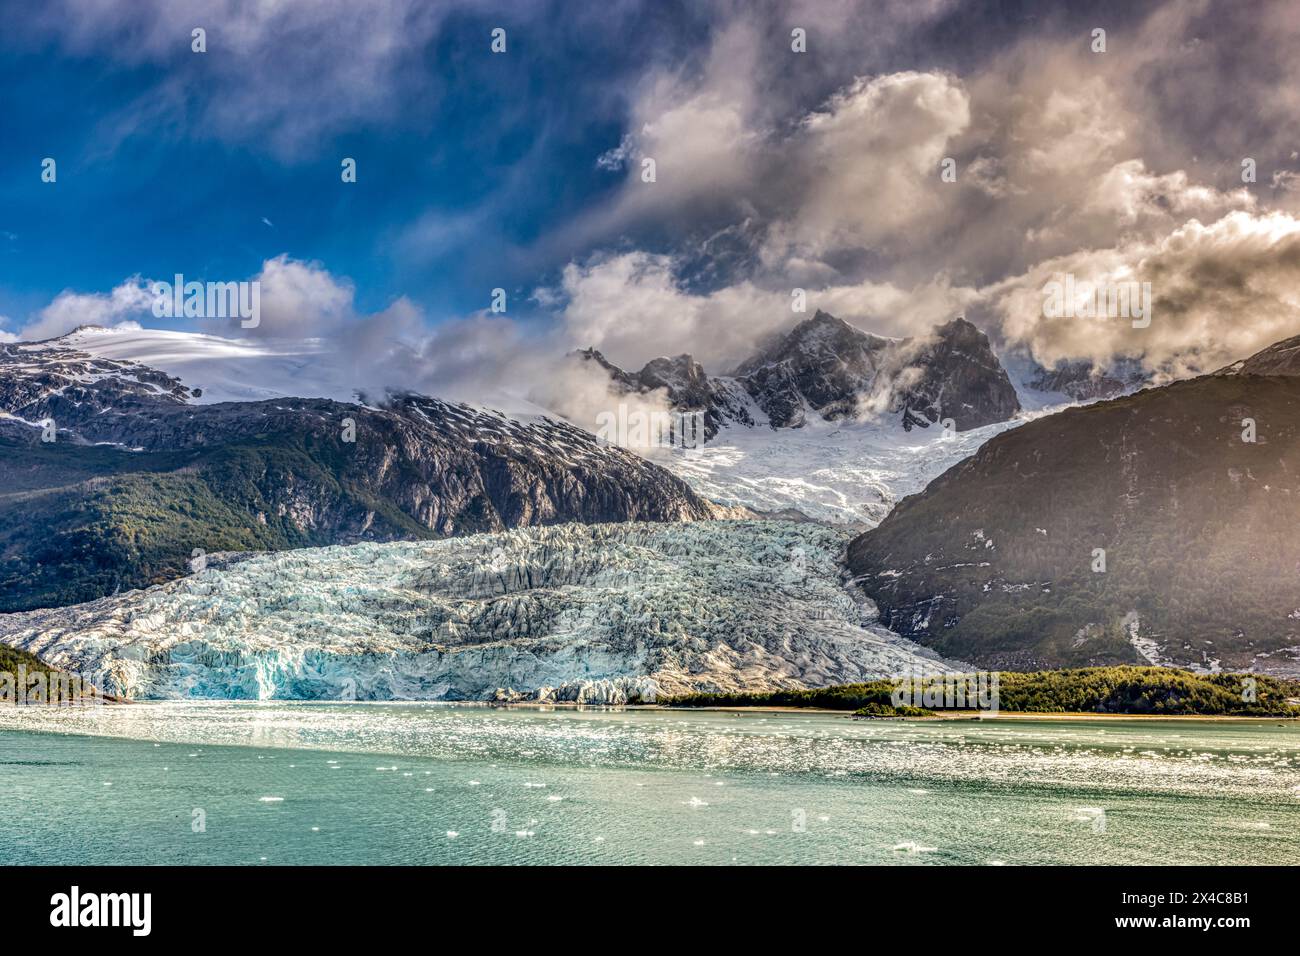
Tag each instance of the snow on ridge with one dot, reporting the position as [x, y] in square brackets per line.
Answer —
[252, 370]
[603, 613]
[842, 472]
[845, 472]
[224, 370]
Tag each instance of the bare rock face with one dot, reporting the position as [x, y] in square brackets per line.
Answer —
[685, 386]
[1083, 381]
[826, 367]
[956, 376]
[820, 365]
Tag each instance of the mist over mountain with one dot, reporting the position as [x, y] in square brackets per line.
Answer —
[827, 368]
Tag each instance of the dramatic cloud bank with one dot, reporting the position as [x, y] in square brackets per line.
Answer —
[1063, 160]
[920, 160]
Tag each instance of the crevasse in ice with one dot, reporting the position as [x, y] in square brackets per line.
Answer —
[600, 613]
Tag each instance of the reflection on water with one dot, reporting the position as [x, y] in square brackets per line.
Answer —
[392, 783]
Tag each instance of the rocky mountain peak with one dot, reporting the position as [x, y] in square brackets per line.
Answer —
[815, 342]
[680, 372]
[828, 367]
[1084, 381]
[954, 374]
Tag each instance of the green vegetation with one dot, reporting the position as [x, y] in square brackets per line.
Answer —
[1156, 691]
[11, 658]
[51, 686]
[86, 522]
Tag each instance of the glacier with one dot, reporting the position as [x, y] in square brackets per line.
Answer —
[610, 613]
[845, 472]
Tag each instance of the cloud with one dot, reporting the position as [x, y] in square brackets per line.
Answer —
[873, 155]
[299, 300]
[70, 309]
[632, 307]
[1130, 194]
[307, 310]
[278, 75]
[777, 170]
[1067, 160]
[1220, 292]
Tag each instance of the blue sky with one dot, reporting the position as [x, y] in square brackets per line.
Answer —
[478, 154]
[775, 170]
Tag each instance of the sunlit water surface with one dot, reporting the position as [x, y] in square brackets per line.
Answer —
[282, 783]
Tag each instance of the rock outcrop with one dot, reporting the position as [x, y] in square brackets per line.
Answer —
[826, 367]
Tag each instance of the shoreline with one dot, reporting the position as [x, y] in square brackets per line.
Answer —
[972, 714]
[946, 716]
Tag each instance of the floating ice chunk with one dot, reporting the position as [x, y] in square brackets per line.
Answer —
[911, 847]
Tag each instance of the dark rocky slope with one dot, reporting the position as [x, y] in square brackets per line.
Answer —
[993, 562]
[138, 479]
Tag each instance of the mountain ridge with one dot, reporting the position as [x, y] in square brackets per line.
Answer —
[137, 478]
[1143, 529]
[827, 367]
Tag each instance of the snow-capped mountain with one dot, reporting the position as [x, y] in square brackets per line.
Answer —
[1084, 381]
[832, 423]
[216, 369]
[172, 476]
[846, 472]
[825, 368]
[600, 613]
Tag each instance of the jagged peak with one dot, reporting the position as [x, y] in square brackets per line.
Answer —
[685, 359]
[595, 355]
[681, 366]
[959, 324]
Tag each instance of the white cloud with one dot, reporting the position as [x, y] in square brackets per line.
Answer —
[70, 309]
[873, 156]
[299, 300]
[1220, 292]
[631, 307]
[1067, 161]
[285, 73]
[1129, 194]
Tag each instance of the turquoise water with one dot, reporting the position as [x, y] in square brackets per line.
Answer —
[283, 783]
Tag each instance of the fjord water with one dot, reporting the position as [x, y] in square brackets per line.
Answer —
[284, 783]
